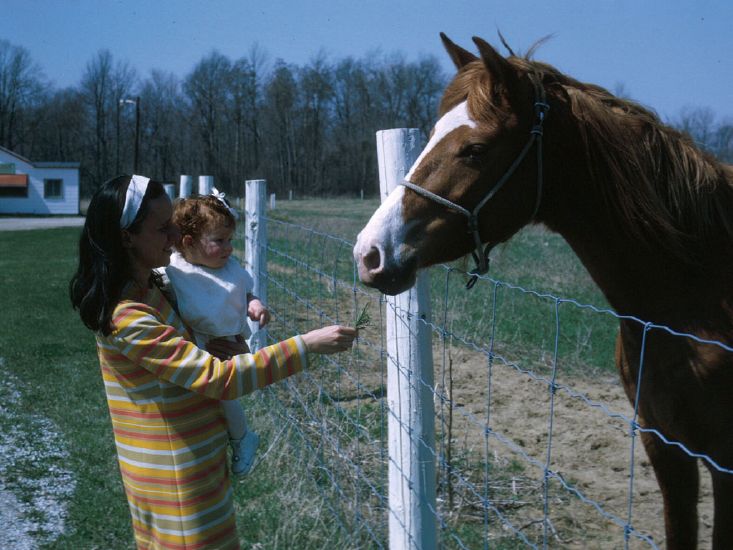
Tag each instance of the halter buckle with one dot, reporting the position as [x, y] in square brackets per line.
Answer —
[474, 273]
[541, 108]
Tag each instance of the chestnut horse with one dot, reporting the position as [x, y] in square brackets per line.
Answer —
[648, 213]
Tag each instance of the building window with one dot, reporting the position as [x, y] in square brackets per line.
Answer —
[14, 192]
[53, 189]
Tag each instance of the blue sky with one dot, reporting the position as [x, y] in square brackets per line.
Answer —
[668, 54]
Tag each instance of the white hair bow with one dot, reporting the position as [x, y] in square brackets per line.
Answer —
[221, 197]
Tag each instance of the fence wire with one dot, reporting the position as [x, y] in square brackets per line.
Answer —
[530, 450]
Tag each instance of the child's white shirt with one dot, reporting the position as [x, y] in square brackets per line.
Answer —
[213, 302]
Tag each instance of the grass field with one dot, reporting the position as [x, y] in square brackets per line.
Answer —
[46, 349]
[534, 259]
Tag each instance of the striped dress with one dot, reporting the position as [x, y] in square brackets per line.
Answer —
[163, 395]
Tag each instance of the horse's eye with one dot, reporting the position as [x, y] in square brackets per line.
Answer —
[473, 152]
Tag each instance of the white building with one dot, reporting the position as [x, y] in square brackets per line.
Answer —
[28, 187]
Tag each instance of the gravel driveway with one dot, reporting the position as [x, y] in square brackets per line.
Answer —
[15, 224]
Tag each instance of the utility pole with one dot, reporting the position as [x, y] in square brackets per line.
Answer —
[135, 161]
[136, 157]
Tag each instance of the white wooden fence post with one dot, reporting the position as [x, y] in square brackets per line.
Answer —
[255, 249]
[272, 201]
[411, 427]
[170, 190]
[185, 187]
[206, 184]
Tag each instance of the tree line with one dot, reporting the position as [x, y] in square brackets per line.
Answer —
[309, 129]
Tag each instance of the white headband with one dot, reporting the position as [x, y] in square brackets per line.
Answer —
[133, 200]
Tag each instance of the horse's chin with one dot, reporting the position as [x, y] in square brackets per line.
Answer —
[390, 281]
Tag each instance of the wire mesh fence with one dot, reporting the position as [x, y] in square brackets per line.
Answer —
[536, 444]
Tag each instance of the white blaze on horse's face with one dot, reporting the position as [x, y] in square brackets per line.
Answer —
[455, 118]
[381, 252]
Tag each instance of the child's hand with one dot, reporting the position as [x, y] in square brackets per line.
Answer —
[257, 311]
[226, 349]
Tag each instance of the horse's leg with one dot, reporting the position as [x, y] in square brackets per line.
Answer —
[678, 478]
[723, 522]
[676, 472]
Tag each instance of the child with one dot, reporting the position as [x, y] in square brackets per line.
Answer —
[214, 296]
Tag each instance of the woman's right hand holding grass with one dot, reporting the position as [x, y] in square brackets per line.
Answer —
[331, 339]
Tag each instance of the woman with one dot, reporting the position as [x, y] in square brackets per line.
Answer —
[163, 392]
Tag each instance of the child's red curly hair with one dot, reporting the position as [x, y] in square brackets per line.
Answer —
[195, 215]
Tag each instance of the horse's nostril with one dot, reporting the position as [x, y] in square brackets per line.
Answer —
[372, 259]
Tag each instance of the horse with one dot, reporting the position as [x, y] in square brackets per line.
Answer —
[648, 213]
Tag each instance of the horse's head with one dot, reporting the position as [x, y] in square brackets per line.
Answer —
[471, 173]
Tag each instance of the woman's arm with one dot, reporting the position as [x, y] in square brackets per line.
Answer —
[159, 348]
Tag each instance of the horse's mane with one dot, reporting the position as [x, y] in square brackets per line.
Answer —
[668, 192]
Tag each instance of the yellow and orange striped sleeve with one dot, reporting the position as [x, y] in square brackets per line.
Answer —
[158, 347]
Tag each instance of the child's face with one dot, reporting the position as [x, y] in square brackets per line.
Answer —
[213, 248]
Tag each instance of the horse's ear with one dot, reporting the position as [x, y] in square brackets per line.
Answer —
[459, 56]
[499, 68]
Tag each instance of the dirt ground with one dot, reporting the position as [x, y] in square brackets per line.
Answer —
[590, 450]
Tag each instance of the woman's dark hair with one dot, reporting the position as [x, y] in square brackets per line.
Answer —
[104, 269]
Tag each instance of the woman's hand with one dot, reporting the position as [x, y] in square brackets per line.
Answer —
[331, 339]
[257, 311]
[224, 349]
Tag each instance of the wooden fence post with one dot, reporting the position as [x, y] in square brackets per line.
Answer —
[255, 249]
[186, 186]
[411, 427]
[206, 184]
[170, 190]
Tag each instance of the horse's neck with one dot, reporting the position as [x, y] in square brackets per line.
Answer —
[636, 278]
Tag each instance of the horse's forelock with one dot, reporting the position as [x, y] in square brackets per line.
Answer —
[471, 84]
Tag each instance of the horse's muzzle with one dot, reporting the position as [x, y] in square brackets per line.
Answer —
[378, 271]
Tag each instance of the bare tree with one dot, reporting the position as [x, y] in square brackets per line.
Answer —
[317, 93]
[21, 88]
[164, 126]
[206, 89]
[698, 122]
[96, 86]
[281, 95]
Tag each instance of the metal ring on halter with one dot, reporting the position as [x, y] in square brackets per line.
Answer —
[481, 254]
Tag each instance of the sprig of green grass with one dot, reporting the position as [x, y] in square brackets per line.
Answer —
[364, 320]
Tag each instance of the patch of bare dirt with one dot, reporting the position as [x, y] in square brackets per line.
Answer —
[589, 448]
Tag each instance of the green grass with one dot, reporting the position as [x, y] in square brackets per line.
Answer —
[534, 259]
[52, 355]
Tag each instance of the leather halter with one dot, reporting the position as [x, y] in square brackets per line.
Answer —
[480, 254]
